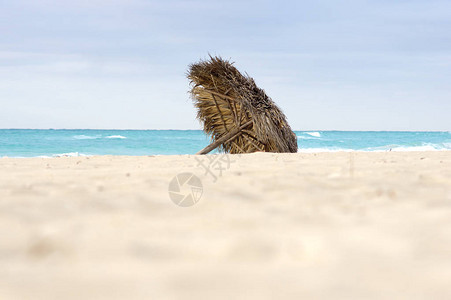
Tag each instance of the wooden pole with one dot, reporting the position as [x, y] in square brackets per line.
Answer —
[225, 138]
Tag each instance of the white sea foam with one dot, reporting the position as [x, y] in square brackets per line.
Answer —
[388, 148]
[314, 133]
[70, 154]
[420, 148]
[115, 137]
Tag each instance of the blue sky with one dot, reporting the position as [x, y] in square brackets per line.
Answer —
[329, 65]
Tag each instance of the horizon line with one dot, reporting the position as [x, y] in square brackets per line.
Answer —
[190, 129]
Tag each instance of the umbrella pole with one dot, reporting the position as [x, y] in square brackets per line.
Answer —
[229, 136]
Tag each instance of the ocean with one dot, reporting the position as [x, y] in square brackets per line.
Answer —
[63, 142]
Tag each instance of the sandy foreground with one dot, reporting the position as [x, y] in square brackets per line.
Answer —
[317, 226]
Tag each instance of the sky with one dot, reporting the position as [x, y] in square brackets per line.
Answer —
[329, 65]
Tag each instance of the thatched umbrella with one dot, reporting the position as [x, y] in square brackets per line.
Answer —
[237, 114]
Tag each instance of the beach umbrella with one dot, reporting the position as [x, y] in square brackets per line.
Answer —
[238, 115]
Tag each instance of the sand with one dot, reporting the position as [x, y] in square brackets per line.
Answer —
[305, 225]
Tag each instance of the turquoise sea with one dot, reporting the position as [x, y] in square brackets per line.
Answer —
[62, 142]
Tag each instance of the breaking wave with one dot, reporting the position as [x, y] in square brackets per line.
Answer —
[115, 137]
[387, 148]
[314, 133]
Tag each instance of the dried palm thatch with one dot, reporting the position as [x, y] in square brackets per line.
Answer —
[237, 114]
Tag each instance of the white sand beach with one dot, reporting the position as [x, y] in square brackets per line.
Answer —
[290, 226]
